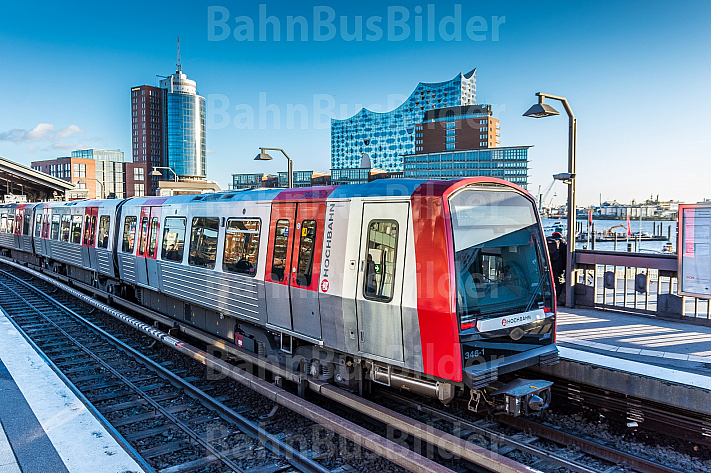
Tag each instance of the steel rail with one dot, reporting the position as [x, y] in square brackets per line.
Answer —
[117, 375]
[273, 443]
[374, 442]
[640, 465]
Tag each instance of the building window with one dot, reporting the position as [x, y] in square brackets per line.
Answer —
[241, 246]
[138, 174]
[139, 190]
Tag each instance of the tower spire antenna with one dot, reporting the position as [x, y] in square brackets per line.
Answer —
[178, 65]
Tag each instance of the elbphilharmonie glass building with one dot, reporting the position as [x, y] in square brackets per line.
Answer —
[387, 137]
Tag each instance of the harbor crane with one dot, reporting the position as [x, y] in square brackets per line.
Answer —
[542, 197]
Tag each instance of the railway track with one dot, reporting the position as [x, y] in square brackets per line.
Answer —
[551, 447]
[431, 429]
[164, 420]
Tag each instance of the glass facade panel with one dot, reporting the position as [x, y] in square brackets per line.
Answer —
[496, 163]
[186, 134]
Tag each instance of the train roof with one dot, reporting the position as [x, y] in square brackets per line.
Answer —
[377, 188]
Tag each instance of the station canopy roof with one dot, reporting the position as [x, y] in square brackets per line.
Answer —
[18, 179]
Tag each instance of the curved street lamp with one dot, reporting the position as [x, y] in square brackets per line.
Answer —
[83, 181]
[541, 110]
[262, 156]
[155, 172]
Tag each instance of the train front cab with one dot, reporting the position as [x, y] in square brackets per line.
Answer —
[504, 293]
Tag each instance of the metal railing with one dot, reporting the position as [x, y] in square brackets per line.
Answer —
[635, 283]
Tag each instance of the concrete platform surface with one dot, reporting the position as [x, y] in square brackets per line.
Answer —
[647, 340]
[43, 426]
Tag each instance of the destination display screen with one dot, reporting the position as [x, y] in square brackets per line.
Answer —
[695, 250]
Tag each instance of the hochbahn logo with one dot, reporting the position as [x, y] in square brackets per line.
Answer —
[513, 320]
[327, 248]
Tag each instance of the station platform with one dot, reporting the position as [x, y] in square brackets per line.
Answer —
[649, 340]
[644, 357]
[43, 426]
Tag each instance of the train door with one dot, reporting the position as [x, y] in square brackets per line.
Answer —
[305, 264]
[278, 273]
[379, 291]
[146, 265]
[19, 213]
[88, 251]
[46, 225]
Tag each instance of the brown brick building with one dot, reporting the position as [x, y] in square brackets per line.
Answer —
[149, 138]
[97, 174]
[457, 128]
[74, 170]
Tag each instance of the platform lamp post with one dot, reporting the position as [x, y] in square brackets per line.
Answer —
[262, 156]
[83, 181]
[155, 171]
[540, 110]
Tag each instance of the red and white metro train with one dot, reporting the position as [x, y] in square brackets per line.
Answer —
[436, 287]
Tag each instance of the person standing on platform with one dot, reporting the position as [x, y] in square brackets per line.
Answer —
[558, 251]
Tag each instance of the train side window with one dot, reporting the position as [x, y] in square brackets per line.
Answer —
[66, 224]
[92, 234]
[143, 238]
[104, 225]
[129, 234]
[241, 246]
[38, 225]
[203, 241]
[87, 228]
[10, 223]
[173, 239]
[378, 283]
[76, 229]
[305, 267]
[3, 223]
[281, 239]
[28, 222]
[153, 238]
[54, 228]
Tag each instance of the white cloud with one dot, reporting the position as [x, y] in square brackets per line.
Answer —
[70, 130]
[67, 146]
[32, 148]
[43, 132]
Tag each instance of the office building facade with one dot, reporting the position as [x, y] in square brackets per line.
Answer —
[149, 131]
[96, 173]
[168, 129]
[508, 163]
[186, 126]
[457, 128]
[387, 137]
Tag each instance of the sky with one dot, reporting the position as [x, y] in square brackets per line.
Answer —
[636, 75]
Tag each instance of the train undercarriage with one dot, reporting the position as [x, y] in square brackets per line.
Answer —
[515, 396]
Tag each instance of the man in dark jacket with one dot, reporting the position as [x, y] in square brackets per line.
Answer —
[558, 251]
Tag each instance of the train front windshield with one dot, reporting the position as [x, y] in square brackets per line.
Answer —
[499, 258]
